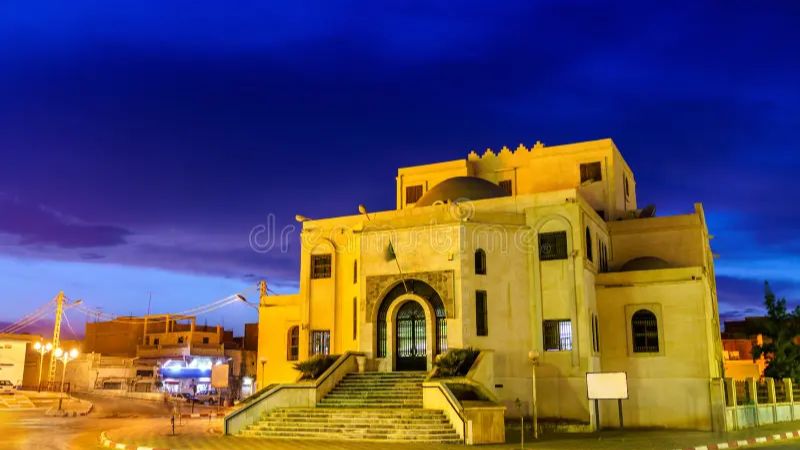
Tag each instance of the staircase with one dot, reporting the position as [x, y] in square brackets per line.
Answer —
[372, 406]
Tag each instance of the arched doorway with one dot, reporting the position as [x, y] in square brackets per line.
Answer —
[386, 342]
[411, 337]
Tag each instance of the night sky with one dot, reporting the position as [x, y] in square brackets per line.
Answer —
[142, 141]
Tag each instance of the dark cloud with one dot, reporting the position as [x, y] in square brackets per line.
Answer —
[37, 225]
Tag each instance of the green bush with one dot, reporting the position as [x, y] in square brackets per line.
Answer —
[315, 366]
[456, 362]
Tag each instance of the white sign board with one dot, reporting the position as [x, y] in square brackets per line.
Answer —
[607, 386]
[219, 376]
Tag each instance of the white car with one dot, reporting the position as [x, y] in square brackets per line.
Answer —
[6, 387]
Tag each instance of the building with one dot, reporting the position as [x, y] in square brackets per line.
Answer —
[543, 249]
[158, 352]
[19, 361]
[738, 340]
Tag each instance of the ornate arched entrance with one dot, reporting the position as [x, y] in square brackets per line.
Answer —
[410, 335]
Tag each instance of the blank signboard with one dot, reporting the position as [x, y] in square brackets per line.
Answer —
[607, 386]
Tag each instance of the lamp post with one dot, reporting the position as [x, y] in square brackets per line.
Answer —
[43, 349]
[64, 357]
[533, 357]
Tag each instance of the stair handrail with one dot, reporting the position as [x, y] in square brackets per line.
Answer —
[455, 405]
[339, 361]
[300, 385]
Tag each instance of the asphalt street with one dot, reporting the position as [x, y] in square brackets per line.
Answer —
[33, 430]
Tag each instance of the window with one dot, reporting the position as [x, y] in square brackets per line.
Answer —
[480, 262]
[413, 193]
[180, 339]
[320, 342]
[505, 185]
[588, 244]
[355, 317]
[644, 327]
[293, 343]
[155, 341]
[557, 335]
[481, 314]
[321, 266]
[603, 256]
[205, 340]
[591, 172]
[626, 187]
[595, 333]
[355, 271]
[553, 245]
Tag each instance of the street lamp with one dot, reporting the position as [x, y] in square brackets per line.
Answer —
[43, 349]
[64, 357]
[533, 357]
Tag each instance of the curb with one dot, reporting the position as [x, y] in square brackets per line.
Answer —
[199, 415]
[740, 443]
[108, 443]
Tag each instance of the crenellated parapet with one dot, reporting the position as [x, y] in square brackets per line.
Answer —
[505, 152]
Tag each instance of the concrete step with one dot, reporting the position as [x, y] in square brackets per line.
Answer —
[336, 436]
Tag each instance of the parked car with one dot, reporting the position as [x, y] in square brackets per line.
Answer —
[206, 398]
[6, 387]
[178, 397]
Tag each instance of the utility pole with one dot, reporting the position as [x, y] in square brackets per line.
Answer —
[51, 376]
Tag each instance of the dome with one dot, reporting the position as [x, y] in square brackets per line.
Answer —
[461, 188]
[645, 263]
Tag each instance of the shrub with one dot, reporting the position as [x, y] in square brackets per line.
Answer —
[456, 362]
[315, 366]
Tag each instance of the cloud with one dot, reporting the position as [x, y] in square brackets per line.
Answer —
[37, 225]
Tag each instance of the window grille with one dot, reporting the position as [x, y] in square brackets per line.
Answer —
[505, 185]
[320, 342]
[293, 344]
[320, 266]
[413, 194]
[553, 245]
[644, 327]
[557, 335]
[591, 172]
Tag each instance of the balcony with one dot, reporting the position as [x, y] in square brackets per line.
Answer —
[179, 350]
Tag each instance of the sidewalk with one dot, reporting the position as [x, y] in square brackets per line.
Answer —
[70, 407]
[205, 434]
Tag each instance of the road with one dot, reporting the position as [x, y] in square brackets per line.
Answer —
[32, 430]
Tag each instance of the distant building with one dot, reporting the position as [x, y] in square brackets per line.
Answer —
[738, 340]
[19, 361]
[160, 352]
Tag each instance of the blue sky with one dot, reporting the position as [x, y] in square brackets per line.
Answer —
[141, 142]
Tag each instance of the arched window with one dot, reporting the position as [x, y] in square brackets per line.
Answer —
[480, 262]
[644, 328]
[293, 343]
[588, 244]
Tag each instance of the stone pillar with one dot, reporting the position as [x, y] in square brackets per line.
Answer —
[787, 388]
[771, 398]
[730, 389]
[752, 390]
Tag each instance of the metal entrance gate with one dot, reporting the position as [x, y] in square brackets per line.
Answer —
[410, 332]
